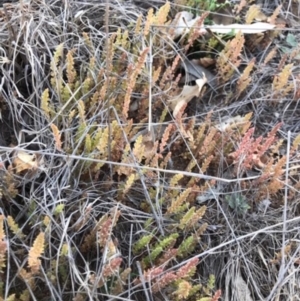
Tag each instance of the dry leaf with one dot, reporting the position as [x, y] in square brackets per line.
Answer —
[186, 95]
[183, 23]
[193, 71]
[244, 28]
[25, 161]
[240, 289]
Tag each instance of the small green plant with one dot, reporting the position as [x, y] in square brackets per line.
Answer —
[290, 46]
[237, 203]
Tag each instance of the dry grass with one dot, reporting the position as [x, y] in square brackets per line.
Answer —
[92, 217]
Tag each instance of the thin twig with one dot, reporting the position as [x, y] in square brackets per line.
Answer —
[150, 64]
[108, 84]
[184, 173]
[282, 269]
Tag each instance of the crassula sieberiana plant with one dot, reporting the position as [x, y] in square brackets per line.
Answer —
[119, 214]
[89, 111]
